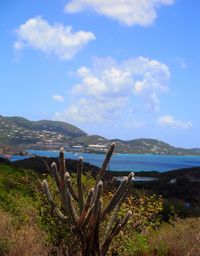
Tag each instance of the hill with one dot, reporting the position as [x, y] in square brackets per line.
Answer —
[13, 185]
[45, 134]
[18, 131]
[152, 146]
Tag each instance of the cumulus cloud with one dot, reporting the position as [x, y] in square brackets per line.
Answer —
[112, 81]
[150, 79]
[58, 98]
[129, 12]
[54, 39]
[170, 121]
[91, 110]
[108, 90]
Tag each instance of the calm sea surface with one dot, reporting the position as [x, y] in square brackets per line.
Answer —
[130, 162]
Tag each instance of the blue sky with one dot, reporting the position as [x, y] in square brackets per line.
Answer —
[121, 69]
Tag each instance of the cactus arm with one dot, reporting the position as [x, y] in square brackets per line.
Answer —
[79, 183]
[98, 196]
[70, 187]
[62, 170]
[105, 163]
[51, 201]
[86, 208]
[47, 167]
[113, 218]
[122, 224]
[118, 195]
[97, 246]
[87, 217]
[107, 242]
[115, 198]
[74, 216]
[118, 227]
[54, 171]
[94, 216]
[111, 222]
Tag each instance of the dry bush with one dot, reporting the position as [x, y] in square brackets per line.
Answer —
[5, 232]
[182, 238]
[28, 240]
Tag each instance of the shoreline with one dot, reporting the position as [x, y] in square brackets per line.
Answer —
[115, 173]
[35, 160]
[117, 153]
[181, 184]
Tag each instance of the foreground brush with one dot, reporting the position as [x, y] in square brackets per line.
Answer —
[85, 220]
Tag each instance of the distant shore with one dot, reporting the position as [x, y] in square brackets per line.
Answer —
[181, 184]
[35, 163]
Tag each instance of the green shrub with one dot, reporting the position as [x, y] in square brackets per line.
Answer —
[134, 244]
[59, 236]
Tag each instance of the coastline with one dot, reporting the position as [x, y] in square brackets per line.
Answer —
[180, 184]
[128, 162]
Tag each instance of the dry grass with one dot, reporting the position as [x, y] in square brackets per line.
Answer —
[180, 239]
[5, 232]
[28, 240]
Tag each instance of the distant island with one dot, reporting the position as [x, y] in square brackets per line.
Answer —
[18, 134]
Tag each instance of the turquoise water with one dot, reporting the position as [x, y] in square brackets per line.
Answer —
[132, 162]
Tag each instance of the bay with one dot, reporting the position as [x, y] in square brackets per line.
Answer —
[131, 162]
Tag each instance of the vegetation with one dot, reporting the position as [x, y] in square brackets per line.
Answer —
[30, 227]
[18, 131]
[20, 233]
[86, 224]
[177, 238]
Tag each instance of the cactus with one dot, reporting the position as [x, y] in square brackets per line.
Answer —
[86, 221]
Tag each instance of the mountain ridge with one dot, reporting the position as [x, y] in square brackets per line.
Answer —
[18, 131]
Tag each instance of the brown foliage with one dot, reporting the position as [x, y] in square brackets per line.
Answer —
[28, 240]
[180, 238]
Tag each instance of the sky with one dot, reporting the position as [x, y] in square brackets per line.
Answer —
[122, 69]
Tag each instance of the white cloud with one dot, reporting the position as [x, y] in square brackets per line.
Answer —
[170, 121]
[55, 39]
[150, 79]
[91, 110]
[58, 98]
[129, 12]
[108, 91]
[111, 81]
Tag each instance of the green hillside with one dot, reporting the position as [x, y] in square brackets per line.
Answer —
[53, 126]
[45, 134]
[13, 186]
[28, 225]
[21, 132]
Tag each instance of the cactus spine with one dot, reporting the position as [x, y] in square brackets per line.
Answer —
[86, 222]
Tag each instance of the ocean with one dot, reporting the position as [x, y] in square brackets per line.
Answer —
[129, 162]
